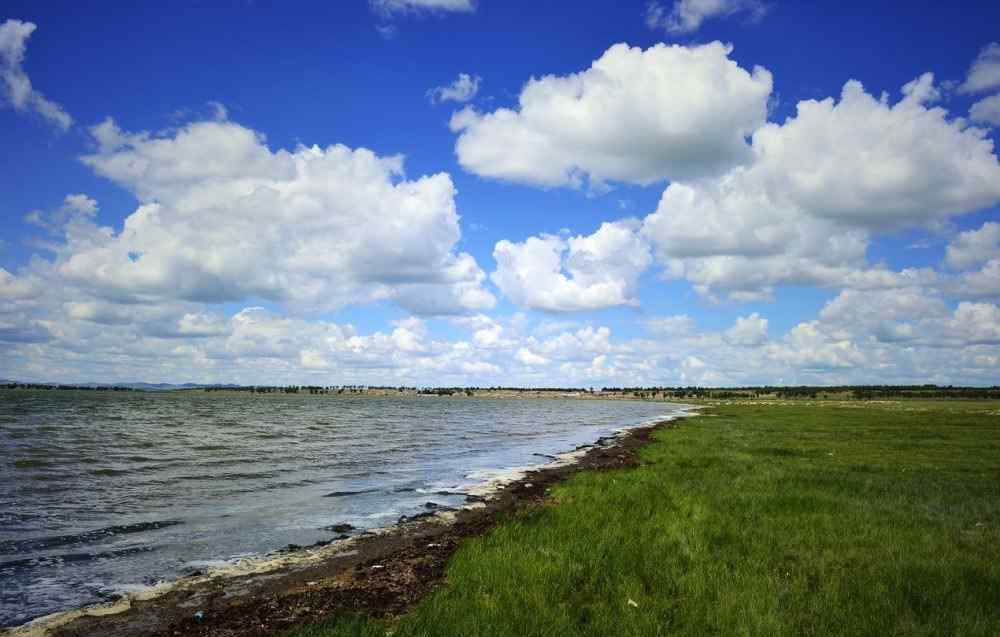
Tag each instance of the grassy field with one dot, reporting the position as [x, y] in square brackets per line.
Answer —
[766, 519]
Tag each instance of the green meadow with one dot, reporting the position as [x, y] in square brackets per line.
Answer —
[795, 518]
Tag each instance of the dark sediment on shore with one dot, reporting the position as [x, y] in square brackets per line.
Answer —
[375, 574]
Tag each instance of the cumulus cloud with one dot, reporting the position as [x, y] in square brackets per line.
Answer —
[835, 160]
[809, 347]
[748, 331]
[676, 325]
[912, 317]
[638, 116]
[984, 74]
[978, 284]
[224, 218]
[17, 288]
[974, 247]
[724, 236]
[488, 333]
[576, 346]
[798, 205]
[975, 323]
[17, 89]
[73, 205]
[527, 357]
[986, 111]
[871, 308]
[804, 210]
[464, 88]
[687, 16]
[579, 273]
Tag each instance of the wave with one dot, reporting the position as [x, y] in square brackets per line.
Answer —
[52, 560]
[344, 494]
[9, 547]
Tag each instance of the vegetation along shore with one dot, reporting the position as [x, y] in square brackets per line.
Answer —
[779, 518]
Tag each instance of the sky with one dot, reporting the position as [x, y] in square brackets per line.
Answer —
[482, 193]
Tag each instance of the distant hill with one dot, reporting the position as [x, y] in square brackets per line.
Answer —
[170, 386]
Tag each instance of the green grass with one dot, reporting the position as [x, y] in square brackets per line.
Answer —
[807, 519]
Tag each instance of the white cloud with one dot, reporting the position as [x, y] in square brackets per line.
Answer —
[17, 89]
[692, 362]
[748, 331]
[922, 90]
[975, 323]
[677, 325]
[389, 7]
[639, 116]
[986, 111]
[724, 236]
[219, 110]
[409, 335]
[687, 16]
[798, 206]
[869, 163]
[73, 205]
[580, 273]
[984, 74]
[224, 218]
[820, 184]
[22, 333]
[82, 204]
[810, 347]
[982, 283]
[870, 309]
[974, 247]
[879, 336]
[464, 88]
[13, 288]
[581, 345]
[911, 319]
[528, 357]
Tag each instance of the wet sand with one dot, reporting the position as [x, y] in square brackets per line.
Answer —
[379, 573]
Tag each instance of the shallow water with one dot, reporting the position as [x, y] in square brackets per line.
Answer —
[104, 492]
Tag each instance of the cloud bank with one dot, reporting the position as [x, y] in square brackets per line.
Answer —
[238, 255]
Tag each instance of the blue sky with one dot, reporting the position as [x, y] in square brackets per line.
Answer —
[746, 240]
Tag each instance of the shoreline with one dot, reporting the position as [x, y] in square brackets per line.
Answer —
[380, 571]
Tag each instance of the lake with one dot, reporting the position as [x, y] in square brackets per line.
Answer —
[105, 492]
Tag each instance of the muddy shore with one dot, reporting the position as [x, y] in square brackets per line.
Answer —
[379, 574]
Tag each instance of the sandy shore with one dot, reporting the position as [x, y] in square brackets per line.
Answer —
[380, 572]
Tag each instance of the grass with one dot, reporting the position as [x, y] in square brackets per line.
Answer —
[788, 519]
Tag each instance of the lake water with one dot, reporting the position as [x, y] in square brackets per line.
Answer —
[102, 492]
